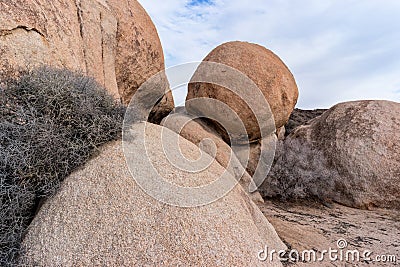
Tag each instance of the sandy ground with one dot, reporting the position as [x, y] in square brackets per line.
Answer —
[312, 226]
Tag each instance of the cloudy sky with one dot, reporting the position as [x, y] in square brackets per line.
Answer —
[338, 50]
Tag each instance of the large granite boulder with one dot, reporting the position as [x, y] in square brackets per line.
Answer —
[113, 41]
[350, 154]
[139, 54]
[101, 216]
[40, 32]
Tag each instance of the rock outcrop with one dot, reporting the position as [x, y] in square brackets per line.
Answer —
[101, 216]
[201, 134]
[115, 42]
[265, 69]
[350, 154]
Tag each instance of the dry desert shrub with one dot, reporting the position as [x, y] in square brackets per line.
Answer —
[51, 122]
[299, 172]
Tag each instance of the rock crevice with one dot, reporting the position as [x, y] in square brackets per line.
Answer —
[79, 14]
[4, 32]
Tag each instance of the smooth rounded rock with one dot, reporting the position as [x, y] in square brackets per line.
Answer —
[265, 69]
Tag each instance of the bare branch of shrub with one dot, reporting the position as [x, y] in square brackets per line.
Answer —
[299, 172]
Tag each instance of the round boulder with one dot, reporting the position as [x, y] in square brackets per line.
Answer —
[265, 69]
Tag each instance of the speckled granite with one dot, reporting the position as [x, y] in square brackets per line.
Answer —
[101, 217]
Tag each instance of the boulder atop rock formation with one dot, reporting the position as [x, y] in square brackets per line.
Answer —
[101, 216]
[265, 69]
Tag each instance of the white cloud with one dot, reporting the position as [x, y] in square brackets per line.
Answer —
[338, 50]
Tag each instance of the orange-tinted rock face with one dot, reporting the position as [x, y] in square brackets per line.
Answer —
[112, 41]
[139, 51]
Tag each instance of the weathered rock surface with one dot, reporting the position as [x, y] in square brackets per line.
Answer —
[311, 226]
[350, 154]
[100, 216]
[113, 41]
[265, 69]
[36, 32]
[201, 134]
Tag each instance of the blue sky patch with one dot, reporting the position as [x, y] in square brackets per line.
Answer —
[200, 3]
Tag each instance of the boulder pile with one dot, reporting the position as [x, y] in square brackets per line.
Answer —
[261, 88]
[188, 192]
